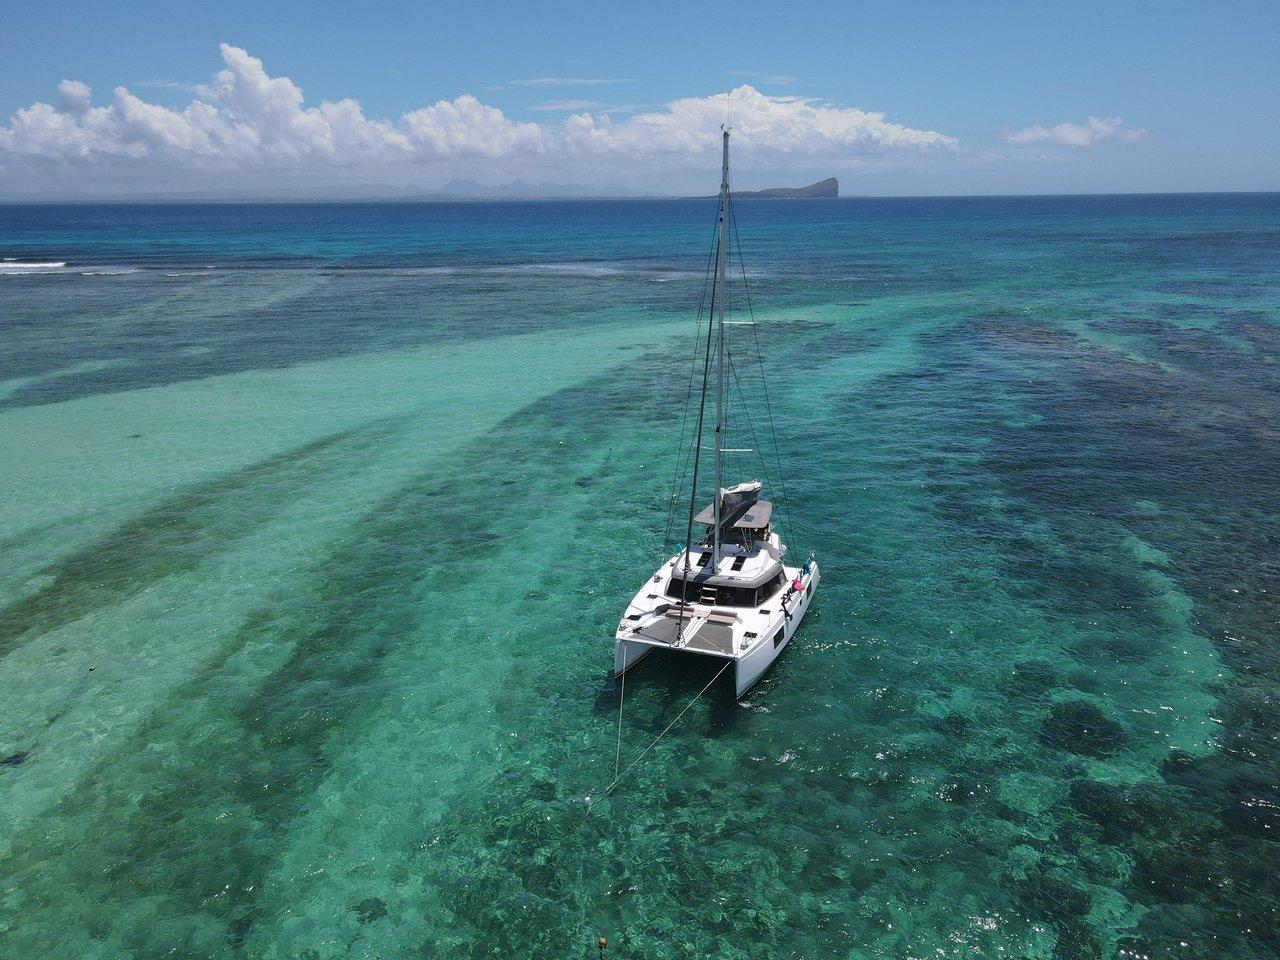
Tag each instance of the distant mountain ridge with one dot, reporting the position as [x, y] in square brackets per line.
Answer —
[828, 188]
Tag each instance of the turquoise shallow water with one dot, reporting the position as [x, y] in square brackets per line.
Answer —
[317, 520]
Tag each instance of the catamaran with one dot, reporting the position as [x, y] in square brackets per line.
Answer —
[729, 595]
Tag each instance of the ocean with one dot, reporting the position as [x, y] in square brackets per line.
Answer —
[317, 520]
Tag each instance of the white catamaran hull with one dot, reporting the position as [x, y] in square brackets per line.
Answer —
[759, 658]
[772, 630]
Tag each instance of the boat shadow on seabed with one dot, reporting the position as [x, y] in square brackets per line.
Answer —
[670, 680]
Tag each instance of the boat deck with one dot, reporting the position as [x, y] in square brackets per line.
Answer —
[714, 636]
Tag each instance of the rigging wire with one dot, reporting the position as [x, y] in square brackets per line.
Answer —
[697, 458]
[764, 384]
[755, 441]
[684, 454]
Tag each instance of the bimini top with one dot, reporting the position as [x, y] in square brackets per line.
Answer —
[739, 508]
[754, 516]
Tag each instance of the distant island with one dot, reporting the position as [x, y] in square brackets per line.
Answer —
[828, 188]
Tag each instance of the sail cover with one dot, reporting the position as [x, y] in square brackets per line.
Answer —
[739, 507]
[734, 498]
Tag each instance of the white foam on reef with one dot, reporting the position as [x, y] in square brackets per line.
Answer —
[12, 267]
[580, 269]
[576, 269]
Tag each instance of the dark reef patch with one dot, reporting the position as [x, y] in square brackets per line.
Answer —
[1078, 726]
[370, 909]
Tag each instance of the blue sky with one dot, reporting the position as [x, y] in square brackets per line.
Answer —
[990, 98]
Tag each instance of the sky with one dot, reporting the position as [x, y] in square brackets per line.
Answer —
[894, 98]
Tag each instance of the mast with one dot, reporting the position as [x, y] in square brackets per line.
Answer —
[721, 287]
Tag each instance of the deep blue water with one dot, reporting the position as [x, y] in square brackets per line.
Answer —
[657, 231]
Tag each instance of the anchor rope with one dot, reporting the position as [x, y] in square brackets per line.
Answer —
[622, 696]
[609, 789]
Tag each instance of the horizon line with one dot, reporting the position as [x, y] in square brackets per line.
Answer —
[268, 198]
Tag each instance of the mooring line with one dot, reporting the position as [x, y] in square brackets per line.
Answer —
[609, 789]
[622, 696]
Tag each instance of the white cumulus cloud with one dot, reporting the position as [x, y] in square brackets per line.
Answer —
[761, 123]
[247, 118]
[244, 119]
[73, 96]
[1092, 131]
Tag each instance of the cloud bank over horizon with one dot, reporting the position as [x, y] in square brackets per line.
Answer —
[246, 121]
